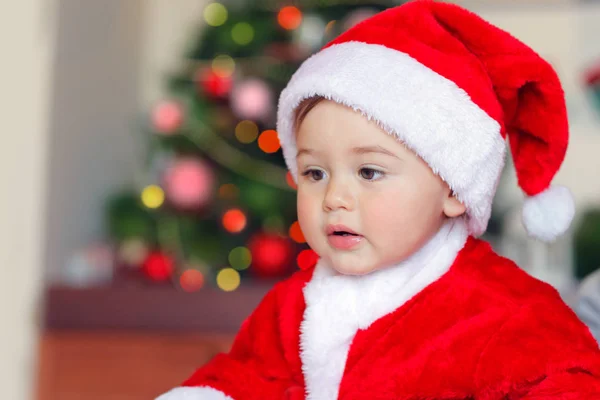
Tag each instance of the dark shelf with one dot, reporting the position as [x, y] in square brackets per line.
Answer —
[151, 308]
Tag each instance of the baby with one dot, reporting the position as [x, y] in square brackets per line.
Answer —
[395, 133]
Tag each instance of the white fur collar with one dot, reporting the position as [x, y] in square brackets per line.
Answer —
[338, 305]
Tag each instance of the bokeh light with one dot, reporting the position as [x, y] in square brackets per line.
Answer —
[167, 117]
[191, 280]
[242, 33]
[268, 141]
[252, 99]
[223, 66]
[240, 258]
[158, 266]
[215, 14]
[289, 17]
[153, 196]
[133, 252]
[189, 183]
[234, 221]
[228, 279]
[209, 82]
[307, 258]
[296, 233]
[246, 131]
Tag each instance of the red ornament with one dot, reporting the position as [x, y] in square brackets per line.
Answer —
[307, 259]
[214, 84]
[234, 220]
[158, 266]
[289, 17]
[271, 255]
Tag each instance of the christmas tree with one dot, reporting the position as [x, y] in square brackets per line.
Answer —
[217, 204]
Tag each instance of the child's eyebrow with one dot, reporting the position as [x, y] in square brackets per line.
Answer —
[355, 150]
[373, 149]
[305, 151]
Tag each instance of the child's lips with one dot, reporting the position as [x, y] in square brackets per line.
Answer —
[345, 242]
[331, 229]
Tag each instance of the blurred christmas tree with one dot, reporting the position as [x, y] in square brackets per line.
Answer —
[217, 204]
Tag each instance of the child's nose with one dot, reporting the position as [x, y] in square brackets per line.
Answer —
[338, 196]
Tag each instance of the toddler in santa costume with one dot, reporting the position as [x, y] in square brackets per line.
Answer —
[396, 134]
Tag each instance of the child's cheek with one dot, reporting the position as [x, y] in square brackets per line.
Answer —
[390, 215]
[308, 207]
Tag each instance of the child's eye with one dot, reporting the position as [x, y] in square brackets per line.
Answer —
[314, 174]
[369, 173]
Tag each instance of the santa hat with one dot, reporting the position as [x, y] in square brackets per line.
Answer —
[453, 88]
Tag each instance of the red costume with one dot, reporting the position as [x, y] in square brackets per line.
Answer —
[483, 330]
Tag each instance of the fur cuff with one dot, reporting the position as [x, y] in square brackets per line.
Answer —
[194, 393]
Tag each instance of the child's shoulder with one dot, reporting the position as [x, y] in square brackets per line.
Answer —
[533, 316]
[498, 277]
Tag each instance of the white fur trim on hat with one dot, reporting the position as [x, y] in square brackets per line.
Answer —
[548, 214]
[429, 113]
[194, 393]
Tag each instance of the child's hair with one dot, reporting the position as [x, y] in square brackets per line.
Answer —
[303, 108]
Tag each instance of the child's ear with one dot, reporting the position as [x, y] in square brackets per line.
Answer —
[453, 207]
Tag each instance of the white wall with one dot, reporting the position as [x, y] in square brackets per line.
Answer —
[168, 27]
[95, 142]
[27, 40]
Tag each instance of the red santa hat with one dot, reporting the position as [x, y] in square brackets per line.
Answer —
[453, 88]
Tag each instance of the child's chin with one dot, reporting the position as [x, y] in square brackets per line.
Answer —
[353, 269]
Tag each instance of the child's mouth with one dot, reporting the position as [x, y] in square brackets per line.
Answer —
[345, 234]
[344, 240]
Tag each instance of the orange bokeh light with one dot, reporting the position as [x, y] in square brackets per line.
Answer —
[191, 280]
[268, 141]
[296, 233]
[289, 17]
[234, 220]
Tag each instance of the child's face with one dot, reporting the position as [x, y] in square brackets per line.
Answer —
[394, 202]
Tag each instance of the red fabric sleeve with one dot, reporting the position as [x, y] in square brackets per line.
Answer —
[256, 367]
[542, 352]
[566, 386]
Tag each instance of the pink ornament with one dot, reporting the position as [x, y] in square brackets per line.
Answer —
[189, 183]
[252, 99]
[167, 117]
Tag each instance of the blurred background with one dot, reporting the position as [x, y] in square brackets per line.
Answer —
[147, 207]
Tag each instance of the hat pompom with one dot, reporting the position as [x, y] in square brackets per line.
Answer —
[548, 214]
